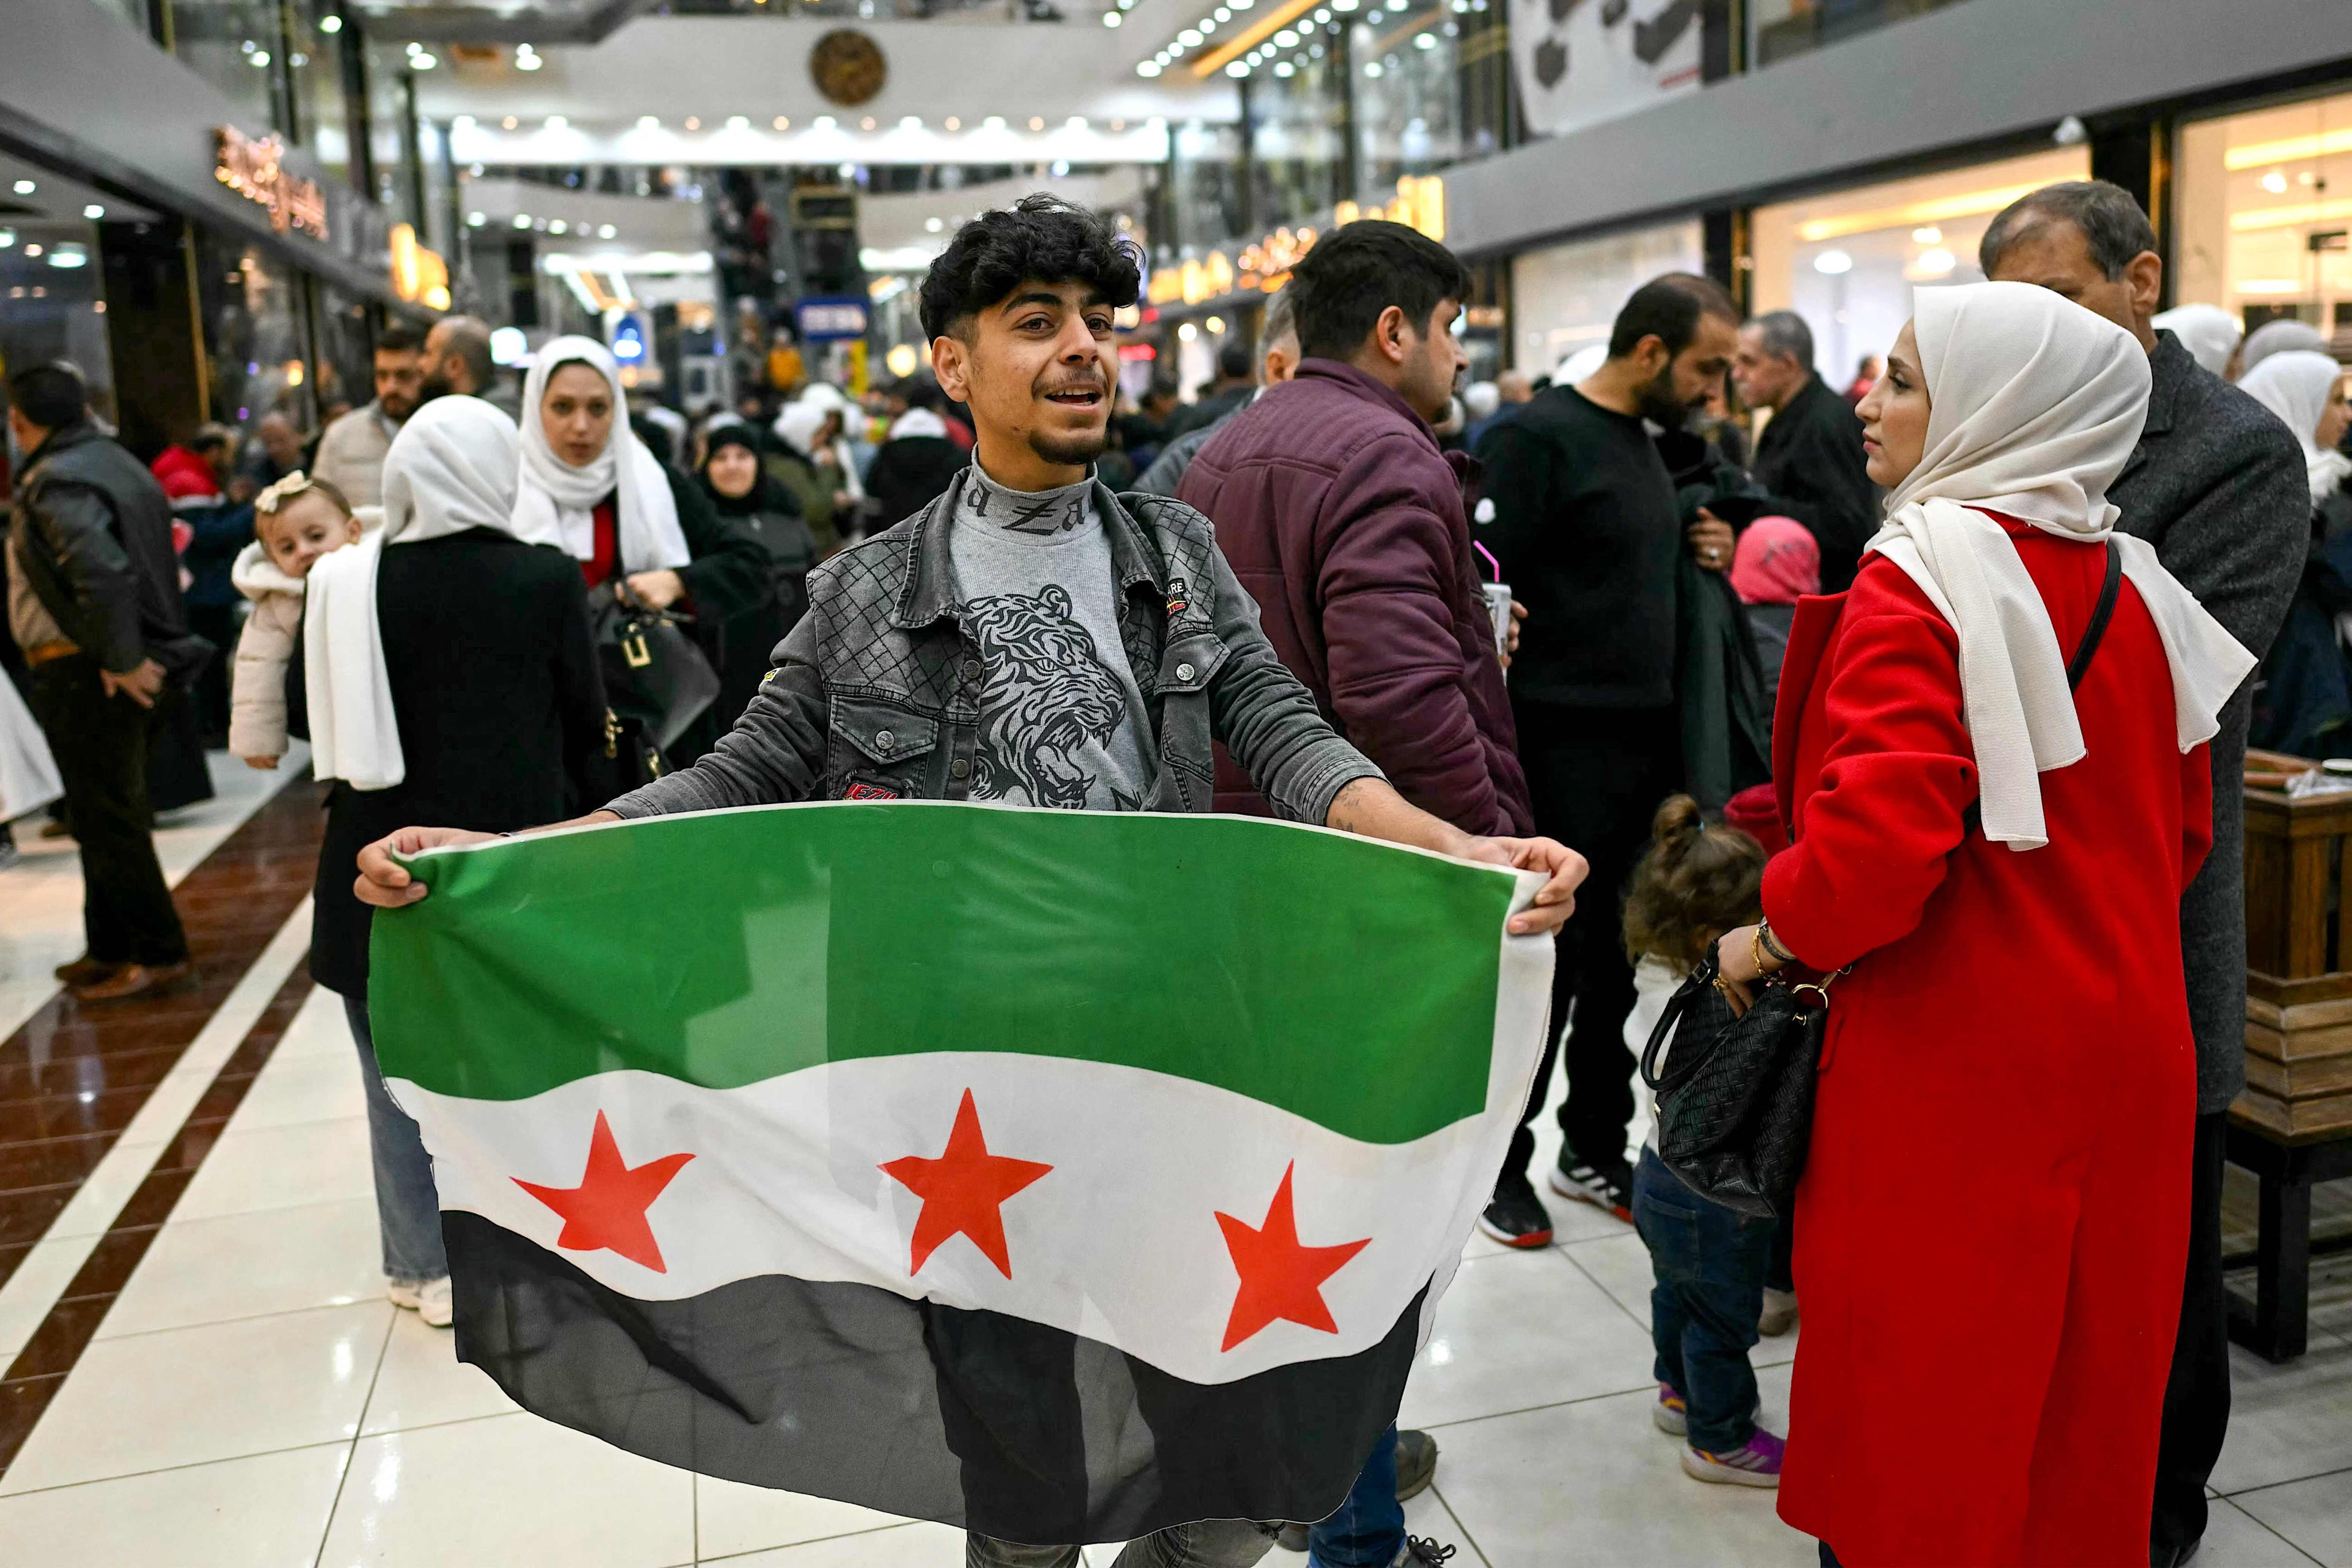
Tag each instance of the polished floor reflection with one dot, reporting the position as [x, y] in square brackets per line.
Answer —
[219, 1380]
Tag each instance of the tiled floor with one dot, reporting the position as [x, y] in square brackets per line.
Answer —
[249, 1400]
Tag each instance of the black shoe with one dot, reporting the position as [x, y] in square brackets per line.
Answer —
[1291, 1538]
[1421, 1552]
[1516, 1216]
[1608, 1187]
[1416, 1463]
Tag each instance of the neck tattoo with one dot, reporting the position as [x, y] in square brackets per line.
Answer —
[1041, 512]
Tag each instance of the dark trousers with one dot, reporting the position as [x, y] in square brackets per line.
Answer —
[1597, 776]
[1709, 1262]
[217, 624]
[100, 745]
[2197, 1395]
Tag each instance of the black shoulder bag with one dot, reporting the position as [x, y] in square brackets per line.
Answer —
[655, 677]
[1735, 1103]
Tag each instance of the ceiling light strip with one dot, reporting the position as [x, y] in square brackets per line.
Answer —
[2294, 150]
[1814, 231]
[1249, 38]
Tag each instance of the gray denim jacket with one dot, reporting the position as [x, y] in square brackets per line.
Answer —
[874, 694]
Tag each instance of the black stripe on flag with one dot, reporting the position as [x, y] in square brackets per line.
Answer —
[980, 1420]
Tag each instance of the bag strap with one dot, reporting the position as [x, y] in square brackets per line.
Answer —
[2080, 665]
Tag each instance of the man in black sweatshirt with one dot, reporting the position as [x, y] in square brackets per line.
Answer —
[1586, 528]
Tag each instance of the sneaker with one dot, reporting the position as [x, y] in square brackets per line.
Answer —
[1417, 1463]
[1671, 1415]
[407, 1295]
[1610, 1189]
[434, 1303]
[1780, 1315]
[1754, 1463]
[1421, 1552]
[1516, 1216]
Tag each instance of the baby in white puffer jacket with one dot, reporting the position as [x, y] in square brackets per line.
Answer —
[295, 522]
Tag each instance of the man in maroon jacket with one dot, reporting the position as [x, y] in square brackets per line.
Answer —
[1345, 522]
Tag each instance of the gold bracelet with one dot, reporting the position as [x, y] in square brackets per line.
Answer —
[1756, 948]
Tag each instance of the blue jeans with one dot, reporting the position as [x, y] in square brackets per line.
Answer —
[1709, 1264]
[1368, 1530]
[408, 1209]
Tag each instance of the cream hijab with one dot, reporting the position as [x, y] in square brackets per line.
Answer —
[451, 467]
[556, 498]
[2036, 404]
[2295, 385]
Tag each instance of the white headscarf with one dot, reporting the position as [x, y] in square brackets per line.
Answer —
[554, 497]
[2295, 387]
[2036, 404]
[2209, 332]
[2277, 338]
[451, 467]
[804, 416]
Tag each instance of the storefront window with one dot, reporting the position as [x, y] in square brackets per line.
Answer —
[388, 142]
[1780, 28]
[1848, 262]
[1565, 297]
[321, 117]
[1205, 193]
[234, 45]
[1408, 94]
[2264, 227]
[345, 362]
[1298, 144]
[52, 302]
[254, 340]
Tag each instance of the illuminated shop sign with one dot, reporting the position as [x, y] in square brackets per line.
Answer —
[254, 169]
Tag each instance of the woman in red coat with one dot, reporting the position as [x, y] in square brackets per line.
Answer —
[1993, 1221]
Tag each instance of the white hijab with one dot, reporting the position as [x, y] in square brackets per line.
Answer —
[2279, 337]
[2036, 406]
[451, 467]
[554, 497]
[2210, 333]
[2295, 386]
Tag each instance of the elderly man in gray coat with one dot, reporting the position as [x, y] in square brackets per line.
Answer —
[2217, 486]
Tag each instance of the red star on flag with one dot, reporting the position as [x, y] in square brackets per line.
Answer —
[607, 1210]
[963, 1191]
[1280, 1277]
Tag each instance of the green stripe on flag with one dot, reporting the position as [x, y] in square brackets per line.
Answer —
[1346, 981]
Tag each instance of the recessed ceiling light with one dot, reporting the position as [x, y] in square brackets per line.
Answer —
[417, 62]
[933, 225]
[1119, 125]
[330, 25]
[648, 123]
[952, 123]
[824, 123]
[261, 58]
[1111, 18]
[557, 122]
[522, 220]
[1238, 69]
[476, 220]
[1036, 122]
[558, 226]
[910, 122]
[94, 212]
[510, 122]
[993, 123]
[26, 187]
[1146, 68]
[462, 122]
[692, 123]
[606, 232]
[782, 122]
[526, 62]
[866, 123]
[739, 123]
[1077, 122]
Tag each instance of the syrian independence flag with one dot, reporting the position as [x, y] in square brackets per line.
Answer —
[1061, 1175]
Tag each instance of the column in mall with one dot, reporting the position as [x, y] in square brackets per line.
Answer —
[2134, 149]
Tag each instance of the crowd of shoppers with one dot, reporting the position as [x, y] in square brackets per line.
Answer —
[1985, 629]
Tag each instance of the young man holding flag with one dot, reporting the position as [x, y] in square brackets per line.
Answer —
[1032, 639]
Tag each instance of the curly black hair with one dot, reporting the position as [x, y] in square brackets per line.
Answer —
[1040, 238]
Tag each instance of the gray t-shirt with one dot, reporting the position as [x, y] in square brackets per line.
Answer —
[1062, 723]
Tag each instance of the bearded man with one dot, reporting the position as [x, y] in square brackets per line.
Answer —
[1586, 527]
[942, 658]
